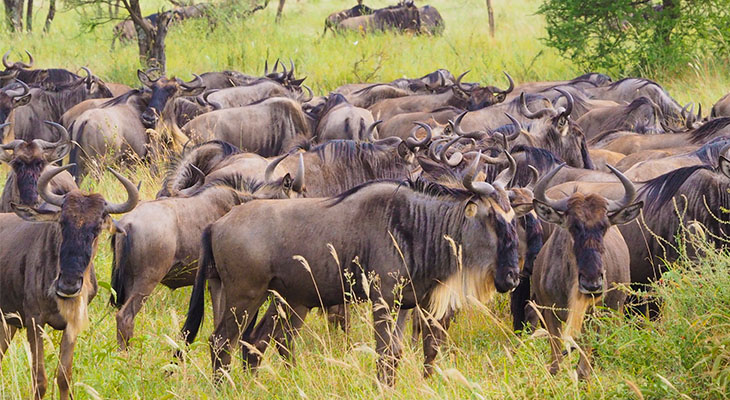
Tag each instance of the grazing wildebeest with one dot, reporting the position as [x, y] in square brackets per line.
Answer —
[479, 219]
[640, 116]
[269, 127]
[11, 99]
[166, 251]
[341, 120]
[402, 17]
[28, 160]
[336, 17]
[50, 278]
[583, 261]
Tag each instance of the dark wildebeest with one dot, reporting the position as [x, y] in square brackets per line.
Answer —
[28, 160]
[431, 21]
[721, 108]
[339, 119]
[457, 95]
[166, 251]
[225, 79]
[11, 99]
[49, 278]
[412, 229]
[588, 80]
[50, 105]
[335, 18]
[403, 17]
[582, 263]
[164, 90]
[269, 127]
[640, 116]
[44, 78]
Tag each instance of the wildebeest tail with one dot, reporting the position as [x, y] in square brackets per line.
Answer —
[73, 157]
[120, 259]
[196, 309]
[519, 299]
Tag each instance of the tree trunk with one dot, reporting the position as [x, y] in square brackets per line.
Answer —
[279, 10]
[50, 16]
[490, 11]
[669, 16]
[29, 17]
[14, 14]
[152, 43]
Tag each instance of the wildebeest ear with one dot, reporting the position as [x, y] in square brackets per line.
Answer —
[522, 209]
[193, 91]
[471, 209]
[287, 183]
[21, 101]
[725, 166]
[547, 213]
[626, 214]
[34, 215]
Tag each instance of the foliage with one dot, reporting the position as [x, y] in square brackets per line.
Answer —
[633, 36]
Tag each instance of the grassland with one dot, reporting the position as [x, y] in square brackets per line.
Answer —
[684, 355]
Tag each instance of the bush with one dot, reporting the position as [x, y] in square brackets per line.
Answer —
[637, 36]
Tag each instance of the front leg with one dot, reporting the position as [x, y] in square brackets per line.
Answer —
[387, 342]
[7, 332]
[553, 327]
[35, 340]
[65, 364]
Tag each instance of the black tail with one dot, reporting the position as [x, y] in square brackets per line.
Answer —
[518, 302]
[196, 309]
[119, 264]
[73, 157]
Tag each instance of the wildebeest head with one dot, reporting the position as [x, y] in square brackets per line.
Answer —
[81, 219]
[477, 98]
[12, 98]
[587, 219]
[29, 158]
[490, 207]
[12, 69]
[163, 90]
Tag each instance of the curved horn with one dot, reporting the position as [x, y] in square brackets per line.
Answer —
[629, 191]
[568, 99]
[31, 61]
[216, 105]
[432, 149]
[199, 180]
[291, 72]
[272, 166]
[132, 196]
[481, 188]
[517, 127]
[371, 130]
[64, 139]
[541, 186]
[455, 158]
[47, 195]
[88, 73]
[25, 91]
[699, 112]
[535, 176]
[266, 67]
[311, 95]
[505, 180]
[144, 78]
[683, 113]
[456, 128]
[197, 82]
[298, 184]
[458, 81]
[5, 60]
[276, 66]
[511, 84]
[413, 141]
[526, 111]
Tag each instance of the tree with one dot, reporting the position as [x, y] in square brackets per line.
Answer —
[633, 36]
[14, 15]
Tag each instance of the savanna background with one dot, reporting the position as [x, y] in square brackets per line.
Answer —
[685, 354]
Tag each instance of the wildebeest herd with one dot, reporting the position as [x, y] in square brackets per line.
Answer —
[415, 194]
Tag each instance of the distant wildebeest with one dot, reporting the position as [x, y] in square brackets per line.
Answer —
[166, 251]
[402, 17]
[47, 79]
[335, 18]
[431, 21]
[640, 116]
[721, 108]
[582, 263]
[50, 278]
[479, 219]
[28, 160]
[268, 127]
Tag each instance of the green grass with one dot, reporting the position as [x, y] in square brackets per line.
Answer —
[683, 355]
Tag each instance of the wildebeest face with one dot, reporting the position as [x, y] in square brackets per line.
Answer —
[485, 97]
[163, 91]
[28, 163]
[10, 100]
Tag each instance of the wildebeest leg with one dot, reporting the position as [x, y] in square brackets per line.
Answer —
[417, 323]
[553, 327]
[257, 340]
[125, 316]
[387, 343]
[65, 363]
[216, 297]
[289, 329]
[279, 10]
[36, 348]
[238, 312]
[7, 332]
[339, 316]
[433, 333]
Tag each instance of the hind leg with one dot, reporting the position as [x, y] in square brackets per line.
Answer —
[434, 333]
[387, 342]
[133, 304]
[7, 332]
[287, 330]
[553, 327]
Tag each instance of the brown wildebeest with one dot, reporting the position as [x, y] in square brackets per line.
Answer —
[28, 160]
[336, 17]
[641, 116]
[582, 262]
[402, 125]
[166, 251]
[708, 154]
[402, 17]
[50, 278]
[240, 96]
[11, 99]
[479, 219]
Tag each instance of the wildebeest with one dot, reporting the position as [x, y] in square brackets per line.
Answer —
[44, 78]
[165, 90]
[166, 251]
[402, 125]
[339, 119]
[708, 154]
[261, 89]
[582, 262]
[335, 18]
[50, 279]
[641, 116]
[11, 99]
[28, 160]
[306, 274]
[402, 17]
[268, 127]
[431, 21]
[721, 108]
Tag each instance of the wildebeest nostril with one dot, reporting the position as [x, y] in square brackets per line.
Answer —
[69, 287]
[594, 286]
